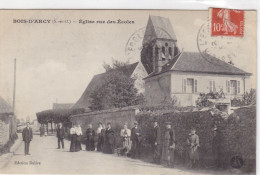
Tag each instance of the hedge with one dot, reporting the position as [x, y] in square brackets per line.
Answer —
[238, 131]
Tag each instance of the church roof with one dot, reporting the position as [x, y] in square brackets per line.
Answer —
[158, 27]
[5, 108]
[195, 62]
[98, 81]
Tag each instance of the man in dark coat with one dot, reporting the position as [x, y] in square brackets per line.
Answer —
[168, 145]
[60, 135]
[90, 144]
[109, 140]
[136, 138]
[27, 138]
[156, 142]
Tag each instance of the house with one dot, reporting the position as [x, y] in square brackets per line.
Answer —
[135, 70]
[179, 75]
[7, 123]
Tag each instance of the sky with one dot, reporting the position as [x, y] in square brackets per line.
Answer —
[56, 61]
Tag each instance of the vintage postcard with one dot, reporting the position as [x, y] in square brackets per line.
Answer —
[128, 91]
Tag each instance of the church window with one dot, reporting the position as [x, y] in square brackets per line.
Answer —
[170, 51]
[163, 53]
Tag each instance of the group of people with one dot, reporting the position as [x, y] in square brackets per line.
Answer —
[103, 140]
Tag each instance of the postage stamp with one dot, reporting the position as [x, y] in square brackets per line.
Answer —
[227, 22]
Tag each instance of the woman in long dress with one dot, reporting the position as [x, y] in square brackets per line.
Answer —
[78, 132]
[125, 135]
[73, 136]
[109, 144]
[99, 137]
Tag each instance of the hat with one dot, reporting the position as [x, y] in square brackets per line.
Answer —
[108, 123]
[100, 123]
[135, 122]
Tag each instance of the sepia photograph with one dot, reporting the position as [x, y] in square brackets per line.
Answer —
[128, 91]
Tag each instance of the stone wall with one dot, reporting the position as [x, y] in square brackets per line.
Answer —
[117, 117]
[4, 132]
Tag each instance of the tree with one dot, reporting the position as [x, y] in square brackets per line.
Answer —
[115, 65]
[118, 91]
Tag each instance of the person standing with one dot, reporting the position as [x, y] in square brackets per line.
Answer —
[90, 144]
[60, 135]
[156, 142]
[78, 132]
[193, 144]
[99, 135]
[27, 138]
[125, 135]
[109, 140]
[136, 138]
[216, 147]
[168, 145]
[42, 131]
[73, 137]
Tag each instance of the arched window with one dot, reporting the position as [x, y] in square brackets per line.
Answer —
[163, 50]
[170, 51]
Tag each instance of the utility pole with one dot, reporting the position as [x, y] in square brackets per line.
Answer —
[14, 86]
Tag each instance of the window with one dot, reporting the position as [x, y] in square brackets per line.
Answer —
[233, 87]
[228, 86]
[189, 85]
[184, 85]
[238, 87]
[163, 53]
[170, 51]
[212, 87]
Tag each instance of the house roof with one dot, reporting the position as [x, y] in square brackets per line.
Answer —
[158, 27]
[195, 62]
[5, 108]
[99, 80]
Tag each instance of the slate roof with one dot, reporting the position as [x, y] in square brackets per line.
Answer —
[97, 81]
[158, 27]
[195, 62]
[5, 108]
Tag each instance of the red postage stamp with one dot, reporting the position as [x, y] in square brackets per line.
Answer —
[227, 22]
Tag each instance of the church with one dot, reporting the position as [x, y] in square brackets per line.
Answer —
[183, 75]
[166, 72]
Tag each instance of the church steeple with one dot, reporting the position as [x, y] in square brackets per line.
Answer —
[159, 44]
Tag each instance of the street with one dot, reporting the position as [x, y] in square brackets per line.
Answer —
[46, 158]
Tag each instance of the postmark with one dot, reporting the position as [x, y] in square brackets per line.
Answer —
[227, 22]
[134, 44]
[225, 48]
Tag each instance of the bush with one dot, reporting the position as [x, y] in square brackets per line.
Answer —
[203, 99]
[249, 98]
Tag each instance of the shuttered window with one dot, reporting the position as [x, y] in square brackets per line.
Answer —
[212, 87]
[228, 86]
[195, 86]
[184, 85]
[238, 87]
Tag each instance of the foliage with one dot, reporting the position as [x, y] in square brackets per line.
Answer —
[115, 65]
[57, 115]
[249, 98]
[203, 99]
[238, 133]
[118, 91]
